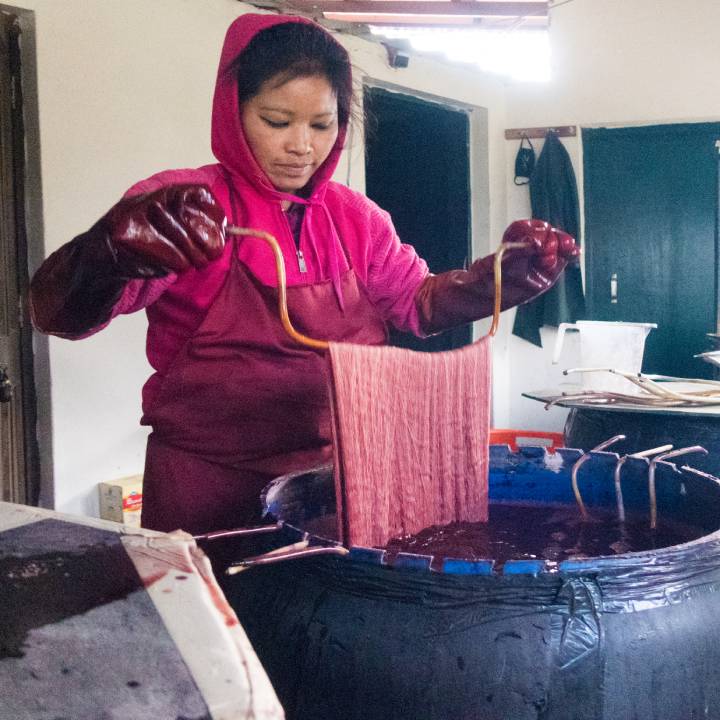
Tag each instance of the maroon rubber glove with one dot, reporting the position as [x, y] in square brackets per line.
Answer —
[170, 230]
[457, 297]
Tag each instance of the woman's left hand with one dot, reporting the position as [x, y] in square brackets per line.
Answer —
[532, 270]
[459, 296]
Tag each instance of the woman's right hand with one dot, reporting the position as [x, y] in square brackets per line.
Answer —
[169, 230]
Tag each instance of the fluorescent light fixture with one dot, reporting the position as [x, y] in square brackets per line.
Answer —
[517, 54]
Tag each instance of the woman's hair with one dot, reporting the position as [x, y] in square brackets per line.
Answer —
[291, 50]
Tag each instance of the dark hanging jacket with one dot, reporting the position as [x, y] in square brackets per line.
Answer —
[554, 198]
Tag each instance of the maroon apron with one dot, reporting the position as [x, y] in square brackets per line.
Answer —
[243, 402]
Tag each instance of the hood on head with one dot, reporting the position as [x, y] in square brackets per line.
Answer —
[228, 139]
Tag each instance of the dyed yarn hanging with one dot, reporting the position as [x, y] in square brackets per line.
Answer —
[410, 429]
[411, 438]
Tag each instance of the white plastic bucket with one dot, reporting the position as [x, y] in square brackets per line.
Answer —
[616, 345]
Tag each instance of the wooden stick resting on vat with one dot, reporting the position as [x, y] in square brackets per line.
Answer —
[618, 468]
[656, 394]
[239, 532]
[651, 476]
[583, 459]
[295, 551]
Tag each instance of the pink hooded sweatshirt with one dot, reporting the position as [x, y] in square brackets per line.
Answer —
[339, 224]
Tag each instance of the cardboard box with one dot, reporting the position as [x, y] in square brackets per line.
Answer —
[121, 500]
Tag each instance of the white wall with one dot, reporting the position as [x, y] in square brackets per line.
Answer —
[615, 62]
[125, 90]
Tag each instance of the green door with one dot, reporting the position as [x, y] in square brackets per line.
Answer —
[651, 206]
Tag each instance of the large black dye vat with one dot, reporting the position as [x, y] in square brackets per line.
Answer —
[630, 636]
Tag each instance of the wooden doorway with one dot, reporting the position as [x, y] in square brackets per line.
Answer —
[19, 466]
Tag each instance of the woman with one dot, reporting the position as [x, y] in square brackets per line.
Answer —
[234, 401]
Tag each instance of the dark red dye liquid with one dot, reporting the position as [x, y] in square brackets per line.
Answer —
[552, 533]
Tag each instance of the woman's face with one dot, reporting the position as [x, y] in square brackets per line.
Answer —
[291, 129]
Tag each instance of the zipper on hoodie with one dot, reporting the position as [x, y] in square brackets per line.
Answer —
[302, 265]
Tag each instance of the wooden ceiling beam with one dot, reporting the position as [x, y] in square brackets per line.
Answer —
[473, 8]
